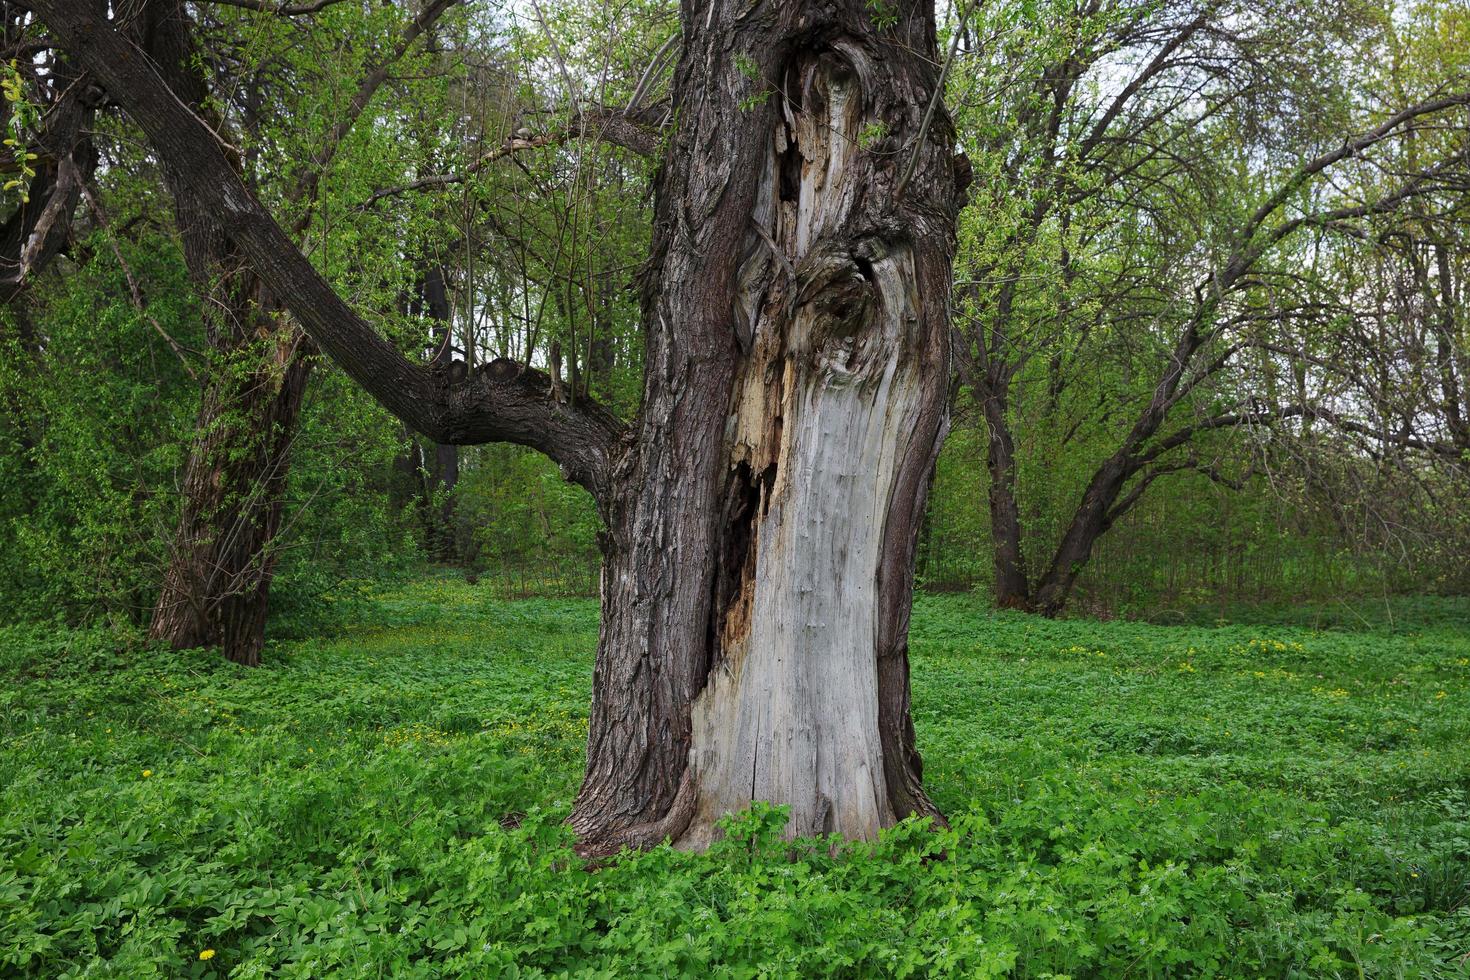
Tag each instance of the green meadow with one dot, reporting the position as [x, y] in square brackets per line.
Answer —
[384, 797]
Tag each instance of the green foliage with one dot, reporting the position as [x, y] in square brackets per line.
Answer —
[1100, 204]
[517, 510]
[19, 116]
[92, 448]
[884, 13]
[1124, 799]
[98, 409]
[872, 134]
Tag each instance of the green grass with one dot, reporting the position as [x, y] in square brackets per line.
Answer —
[1126, 800]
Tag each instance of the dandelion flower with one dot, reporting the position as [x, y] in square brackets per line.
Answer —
[206, 954]
[147, 773]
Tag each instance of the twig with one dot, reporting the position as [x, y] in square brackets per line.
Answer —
[954, 46]
[137, 294]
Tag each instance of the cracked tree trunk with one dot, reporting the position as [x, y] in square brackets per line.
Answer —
[758, 572]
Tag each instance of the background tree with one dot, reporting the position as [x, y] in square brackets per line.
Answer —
[1153, 209]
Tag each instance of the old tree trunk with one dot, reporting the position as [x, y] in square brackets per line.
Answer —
[756, 586]
[761, 514]
[222, 557]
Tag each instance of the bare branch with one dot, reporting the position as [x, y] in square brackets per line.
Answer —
[607, 125]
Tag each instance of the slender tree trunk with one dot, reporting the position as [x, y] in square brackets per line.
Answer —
[441, 462]
[1012, 590]
[759, 566]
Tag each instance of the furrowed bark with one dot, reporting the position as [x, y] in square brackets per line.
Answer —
[759, 617]
[216, 587]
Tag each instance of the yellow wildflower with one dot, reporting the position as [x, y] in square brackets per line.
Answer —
[206, 954]
[147, 773]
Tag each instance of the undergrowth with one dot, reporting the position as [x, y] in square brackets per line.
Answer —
[1124, 800]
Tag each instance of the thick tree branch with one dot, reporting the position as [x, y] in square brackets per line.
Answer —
[503, 402]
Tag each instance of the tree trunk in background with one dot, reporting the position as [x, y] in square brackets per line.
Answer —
[759, 564]
[217, 584]
[1094, 516]
[439, 463]
[37, 230]
[1012, 591]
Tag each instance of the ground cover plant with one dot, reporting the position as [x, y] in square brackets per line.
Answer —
[385, 796]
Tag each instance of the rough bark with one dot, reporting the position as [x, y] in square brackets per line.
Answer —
[216, 585]
[762, 516]
[756, 586]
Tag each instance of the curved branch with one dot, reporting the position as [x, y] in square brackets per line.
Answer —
[501, 403]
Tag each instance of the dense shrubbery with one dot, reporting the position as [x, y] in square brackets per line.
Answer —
[91, 434]
[1125, 798]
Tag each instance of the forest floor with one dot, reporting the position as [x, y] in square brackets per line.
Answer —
[384, 797]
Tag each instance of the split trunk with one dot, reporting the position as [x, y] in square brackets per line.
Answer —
[761, 531]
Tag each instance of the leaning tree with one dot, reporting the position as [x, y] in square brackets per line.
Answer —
[761, 512]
